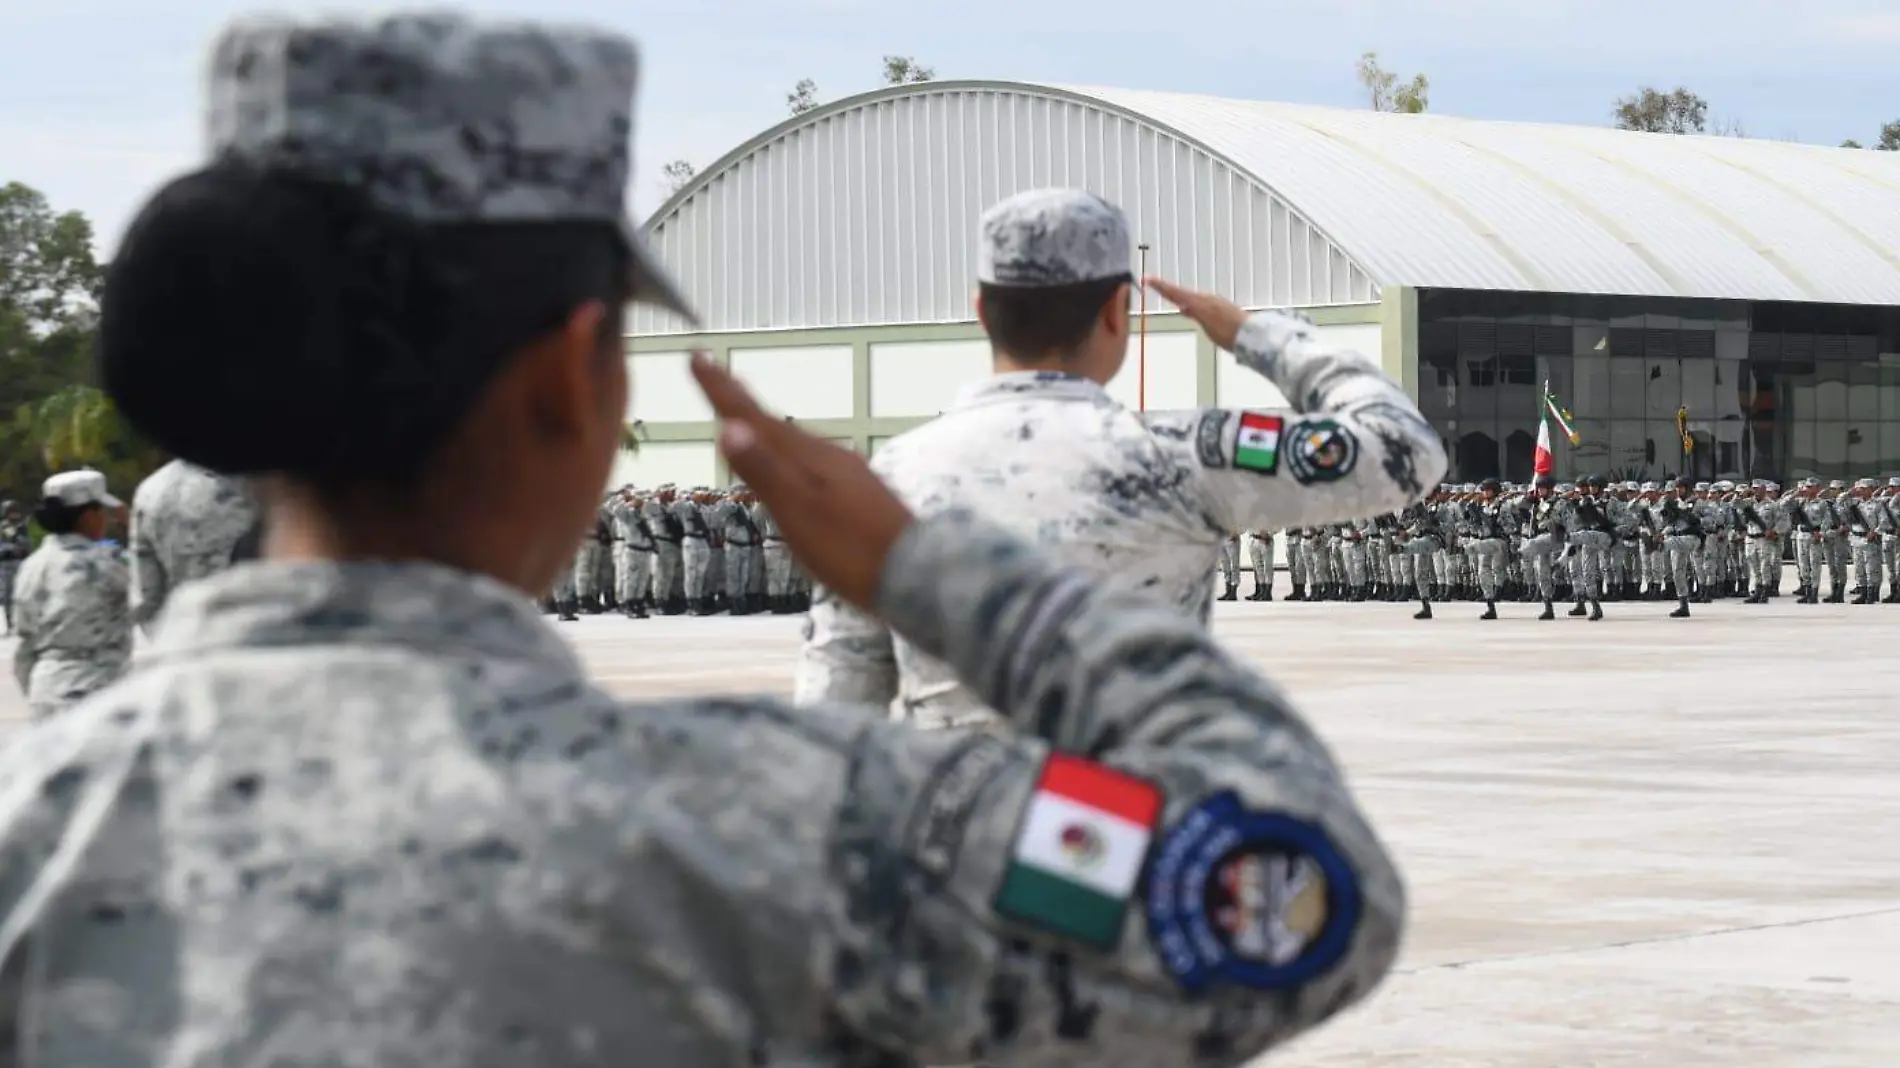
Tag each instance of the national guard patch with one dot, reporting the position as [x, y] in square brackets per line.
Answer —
[1207, 437]
[1256, 899]
[1257, 442]
[1320, 450]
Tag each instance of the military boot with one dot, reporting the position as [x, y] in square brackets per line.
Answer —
[1550, 611]
[1682, 609]
[1490, 610]
[1424, 610]
[1580, 610]
[1232, 593]
[1298, 594]
[1596, 611]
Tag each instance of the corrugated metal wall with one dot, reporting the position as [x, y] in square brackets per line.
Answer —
[866, 213]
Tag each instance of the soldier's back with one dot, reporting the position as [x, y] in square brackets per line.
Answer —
[514, 869]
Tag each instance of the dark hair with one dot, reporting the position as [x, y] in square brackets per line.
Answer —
[1030, 322]
[57, 517]
[260, 322]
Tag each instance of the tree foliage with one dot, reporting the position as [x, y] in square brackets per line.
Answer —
[1889, 137]
[803, 97]
[905, 70]
[1384, 91]
[1650, 111]
[52, 416]
[677, 174]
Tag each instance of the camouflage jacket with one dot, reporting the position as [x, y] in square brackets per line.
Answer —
[187, 523]
[1142, 499]
[69, 614]
[374, 814]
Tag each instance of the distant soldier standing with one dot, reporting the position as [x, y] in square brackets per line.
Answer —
[16, 544]
[1761, 527]
[1260, 550]
[1230, 568]
[1682, 537]
[188, 523]
[633, 554]
[695, 553]
[742, 543]
[669, 532]
[71, 612]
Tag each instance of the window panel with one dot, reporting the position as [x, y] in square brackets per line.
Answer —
[1863, 391]
[1890, 393]
[1589, 395]
[1863, 449]
[1801, 459]
[1626, 388]
[1628, 452]
[1662, 388]
[1662, 447]
[1890, 448]
[1830, 449]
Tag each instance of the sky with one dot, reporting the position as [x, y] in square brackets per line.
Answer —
[99, 99]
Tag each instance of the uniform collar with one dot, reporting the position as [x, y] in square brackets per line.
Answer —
[1013, 385]
[423, 606]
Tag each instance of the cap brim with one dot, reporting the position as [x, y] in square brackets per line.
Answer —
[649, 282]
[110, 501]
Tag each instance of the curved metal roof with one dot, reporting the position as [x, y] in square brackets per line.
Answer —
[1432, 200]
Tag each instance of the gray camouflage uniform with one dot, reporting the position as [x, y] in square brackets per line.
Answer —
[1145, 500]
[777, 560]
[187, 523]
[384, 808]
[633, 554]
[16, 544]
[73, 623]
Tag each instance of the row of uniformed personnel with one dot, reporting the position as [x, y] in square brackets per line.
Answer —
[699, 552]
[1593, 541]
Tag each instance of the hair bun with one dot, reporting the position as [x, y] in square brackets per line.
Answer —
[255, 322]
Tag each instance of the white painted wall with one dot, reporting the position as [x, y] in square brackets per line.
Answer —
[876, 444]
[922, 378]
[805, 382]
[1237, 387]
[688, 463]
[663, 390]
[1173, 380]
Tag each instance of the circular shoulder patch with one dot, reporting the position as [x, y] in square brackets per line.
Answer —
[1255, 899]
[1320, 450]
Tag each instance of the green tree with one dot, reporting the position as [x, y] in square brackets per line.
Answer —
[52, 415]
[1649, 111]
[905, 70]
[803, 97]
[1851, 143]
[1889, 138]
[1384, 91]
[677, 174]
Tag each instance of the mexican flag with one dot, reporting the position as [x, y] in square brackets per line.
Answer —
[1078, 855]
[1257, 442]
[1563, 418]
[1542, 463]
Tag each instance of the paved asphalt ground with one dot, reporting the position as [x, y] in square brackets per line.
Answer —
[1640, 843]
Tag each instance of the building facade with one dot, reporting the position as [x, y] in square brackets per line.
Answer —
[1754, 284]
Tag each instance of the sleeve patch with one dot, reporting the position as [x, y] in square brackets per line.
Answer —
[1207, 438]
[1077, 857]
[1253, 899]
[948, 800]
[1320, 450]
[1258, 441]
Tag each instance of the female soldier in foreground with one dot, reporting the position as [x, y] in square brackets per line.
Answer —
[75, 632]
[362, 807]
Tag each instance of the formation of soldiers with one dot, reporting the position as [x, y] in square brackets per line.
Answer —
[699, 552]
[1594, 541]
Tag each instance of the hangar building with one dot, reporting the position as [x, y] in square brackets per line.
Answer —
[1755, 284]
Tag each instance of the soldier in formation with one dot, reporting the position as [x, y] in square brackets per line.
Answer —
[1149, 501]
[72, 616]
[16, 544]
[363, 807]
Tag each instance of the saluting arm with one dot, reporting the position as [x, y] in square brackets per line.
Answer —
[1163, 866]
[1353, 445]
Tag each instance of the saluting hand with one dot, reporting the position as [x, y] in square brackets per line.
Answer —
[839, 518]
[1219, 318]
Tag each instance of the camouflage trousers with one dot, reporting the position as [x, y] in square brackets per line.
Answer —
[666, 571]
[1764, 559]
[1230, 562]
[8, 569]
[633, 574]
[1260, 551]
[741, 570]
[1684, 551]
[695, 561]
[1587, 579]
[1487, 561]
[778, 568]
[587, 571]
[1867, 561]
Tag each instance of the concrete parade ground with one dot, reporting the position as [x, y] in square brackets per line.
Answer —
[1639, 842]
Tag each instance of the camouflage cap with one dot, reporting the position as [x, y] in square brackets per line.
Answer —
[442, 119]
[1053, 237]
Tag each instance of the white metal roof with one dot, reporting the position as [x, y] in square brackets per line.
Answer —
[1431, 200]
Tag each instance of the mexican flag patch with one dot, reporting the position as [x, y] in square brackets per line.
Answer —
[1079, 852]
[1257, 442]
